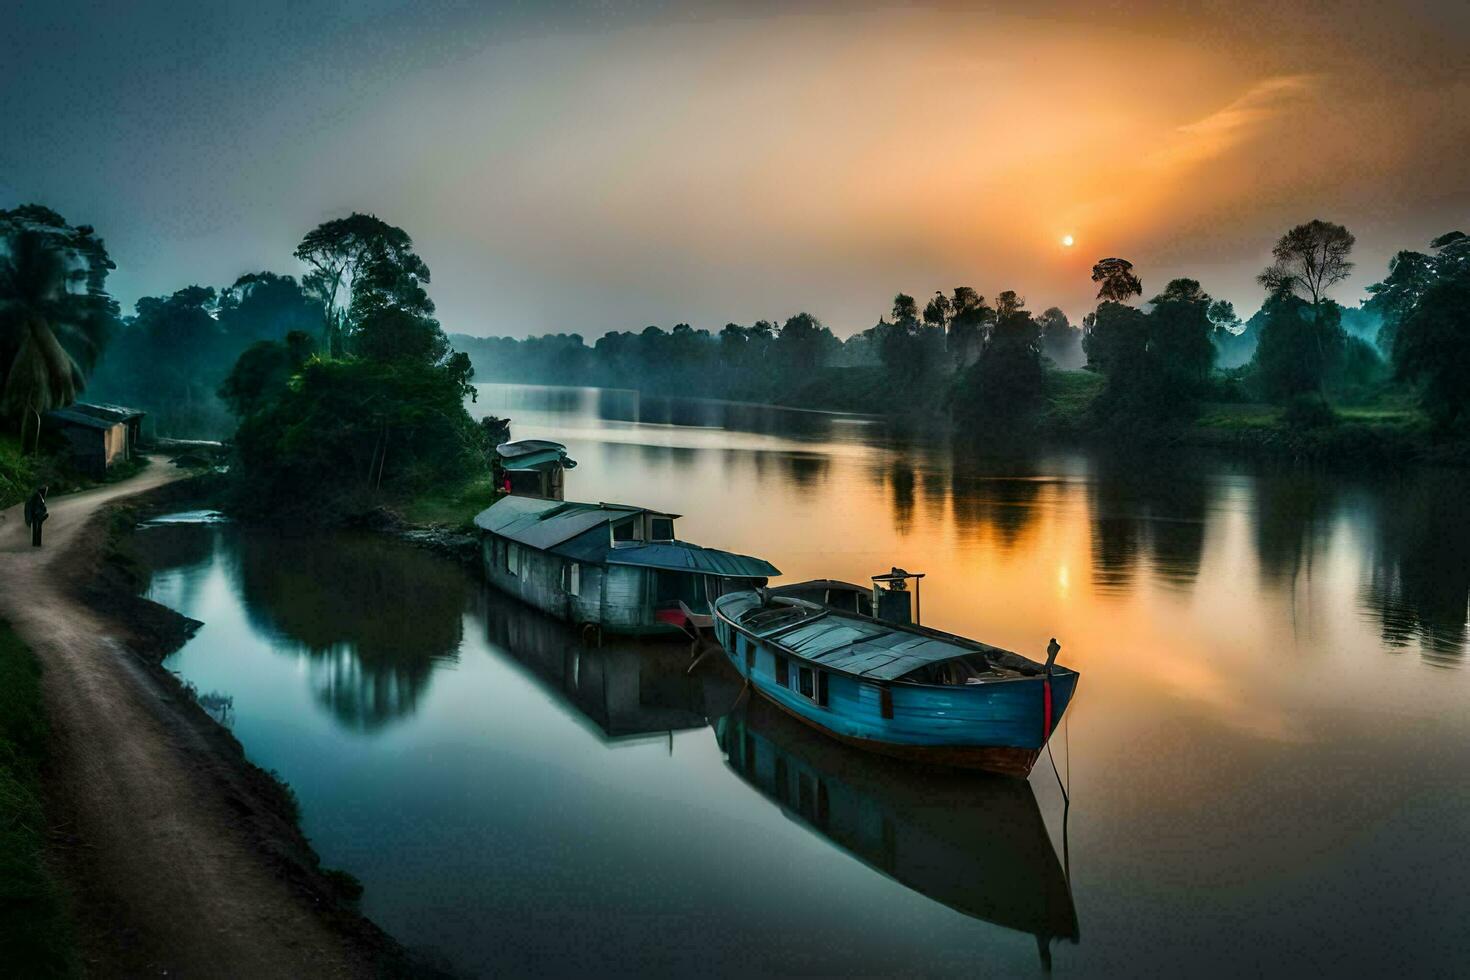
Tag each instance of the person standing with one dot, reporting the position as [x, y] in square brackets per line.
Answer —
[35, 515]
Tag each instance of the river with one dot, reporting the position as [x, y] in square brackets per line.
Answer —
[1268, 756]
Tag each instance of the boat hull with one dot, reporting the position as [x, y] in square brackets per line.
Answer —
[998, 727]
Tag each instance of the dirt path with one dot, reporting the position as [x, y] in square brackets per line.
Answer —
[174, 880]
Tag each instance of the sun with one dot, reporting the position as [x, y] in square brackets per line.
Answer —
[1067, 241]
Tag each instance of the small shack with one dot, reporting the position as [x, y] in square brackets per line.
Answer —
[98, 436]
[534, 468]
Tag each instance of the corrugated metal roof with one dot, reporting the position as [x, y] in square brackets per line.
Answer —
[552, 525]
[529, 453]
[841, 641]
[111, 413]
[681, 556]
[70, 416]
[538, 522]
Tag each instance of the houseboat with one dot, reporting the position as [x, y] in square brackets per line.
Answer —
[863, 672]
[533, 466]
[616, 567]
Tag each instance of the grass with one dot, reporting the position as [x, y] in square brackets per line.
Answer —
[17, 471]
[454, 505]
[1069, 397]
[36, 937]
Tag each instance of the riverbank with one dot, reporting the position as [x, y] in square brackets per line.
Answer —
[176, 854]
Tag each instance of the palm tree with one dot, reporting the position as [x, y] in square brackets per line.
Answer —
[37, 312]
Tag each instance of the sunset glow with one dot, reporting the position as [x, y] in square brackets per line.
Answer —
[623, 170]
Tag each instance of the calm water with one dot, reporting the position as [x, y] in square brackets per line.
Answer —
[1269, 754]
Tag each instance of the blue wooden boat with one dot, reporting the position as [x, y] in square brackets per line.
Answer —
[817, 651]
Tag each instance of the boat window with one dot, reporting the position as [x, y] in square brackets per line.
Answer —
[812, 683]
[783, 671]
[661, 529]
[574, 579]
[513, 558]
[624, 531]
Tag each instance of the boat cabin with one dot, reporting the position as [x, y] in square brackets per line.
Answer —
[534, 467]
[616, 566]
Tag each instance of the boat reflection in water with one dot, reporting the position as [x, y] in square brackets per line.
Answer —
[975, 843]
[626, 688]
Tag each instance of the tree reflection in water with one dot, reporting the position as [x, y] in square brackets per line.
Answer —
[1148, 508]
[373, 617]
[1420, 581]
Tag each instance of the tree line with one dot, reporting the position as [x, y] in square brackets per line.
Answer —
[338, 385]
[348, 366]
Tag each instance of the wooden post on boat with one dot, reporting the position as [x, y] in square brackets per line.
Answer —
[1052, 649]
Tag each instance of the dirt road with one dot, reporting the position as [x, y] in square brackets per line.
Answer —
[161, 847]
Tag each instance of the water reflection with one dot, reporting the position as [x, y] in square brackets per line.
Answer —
[975, 844]
[1420, 583]
[625, 688]
[995, 505]
[372, 619]
[1147, 509]
[1148, 524]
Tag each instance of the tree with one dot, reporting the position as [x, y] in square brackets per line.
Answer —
[1431, 347]
[1116, 281]
[908, 349]
[905, 312]
[50, 332]
[1180, 333]
[937, 312]
[1410, 274]
[1116, 342]
[391, 333]
[263, 372]
[266, 306]
[1223, 318]
[1006, 381]
[804, 343]
[1006, 304]
[1310, 259]
[969, 324]
[345, 255]
[1060, 341]
[1298, 346]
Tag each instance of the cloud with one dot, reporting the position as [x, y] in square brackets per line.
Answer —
[1242, 120]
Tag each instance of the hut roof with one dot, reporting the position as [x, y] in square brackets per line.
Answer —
[72, 415]
[112, 414]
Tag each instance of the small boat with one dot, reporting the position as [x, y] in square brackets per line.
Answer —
[855, 666]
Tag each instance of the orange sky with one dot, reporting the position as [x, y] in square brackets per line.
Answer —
[716, 164]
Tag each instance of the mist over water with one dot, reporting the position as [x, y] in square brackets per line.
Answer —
[1266, 755]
